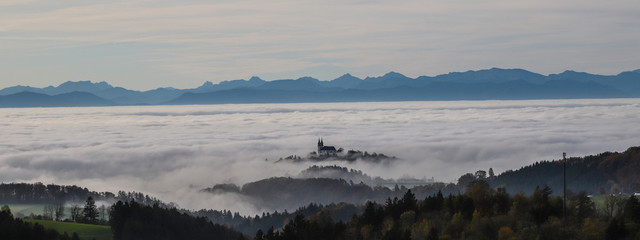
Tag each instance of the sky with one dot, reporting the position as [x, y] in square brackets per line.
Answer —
[144, 44]
[172, 152]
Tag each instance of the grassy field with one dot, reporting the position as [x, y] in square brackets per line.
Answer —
[23, 210]
[84, 231]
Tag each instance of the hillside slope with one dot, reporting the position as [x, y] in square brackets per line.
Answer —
[608, 172]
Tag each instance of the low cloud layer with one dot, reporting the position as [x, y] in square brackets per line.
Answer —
[171, 152]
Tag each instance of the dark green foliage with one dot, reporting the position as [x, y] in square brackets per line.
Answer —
[90, 211]
[130, 220]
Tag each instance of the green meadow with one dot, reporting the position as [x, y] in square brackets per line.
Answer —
[84, 231]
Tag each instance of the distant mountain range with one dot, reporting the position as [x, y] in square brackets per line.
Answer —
[490, 84]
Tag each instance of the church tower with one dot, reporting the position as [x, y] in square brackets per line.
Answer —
[320, 144]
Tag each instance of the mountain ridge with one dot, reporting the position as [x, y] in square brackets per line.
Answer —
[486, 84]
[72, 99]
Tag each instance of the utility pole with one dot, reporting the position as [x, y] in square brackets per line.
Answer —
[564, 185]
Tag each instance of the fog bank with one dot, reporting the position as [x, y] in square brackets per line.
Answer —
[171, 152]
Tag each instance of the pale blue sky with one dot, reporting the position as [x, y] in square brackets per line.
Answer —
[148, 44]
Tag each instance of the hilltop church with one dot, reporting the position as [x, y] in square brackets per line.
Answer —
[325, 150]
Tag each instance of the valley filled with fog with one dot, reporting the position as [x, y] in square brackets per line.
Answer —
[173, 152]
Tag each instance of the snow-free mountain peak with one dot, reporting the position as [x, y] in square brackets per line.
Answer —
[346, 81]
[394, 75]
[206, 84]
[255, 79]
[84, 86]
[390, 76]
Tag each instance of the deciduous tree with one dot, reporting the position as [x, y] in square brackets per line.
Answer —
[59, 211]
[76, 213]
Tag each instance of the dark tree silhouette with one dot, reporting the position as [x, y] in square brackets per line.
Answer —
[12, 228]
[130, 220]
[90, 211]
[632, 209]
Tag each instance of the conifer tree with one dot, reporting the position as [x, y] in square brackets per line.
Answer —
[90, 211]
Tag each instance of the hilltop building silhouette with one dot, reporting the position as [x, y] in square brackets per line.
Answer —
[325, 150]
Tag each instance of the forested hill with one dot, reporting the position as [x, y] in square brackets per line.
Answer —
[38, 193]
[291, 193]
[609, 172]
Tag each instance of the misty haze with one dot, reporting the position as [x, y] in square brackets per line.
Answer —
[173, 152]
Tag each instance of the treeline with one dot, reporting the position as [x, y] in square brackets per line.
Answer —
[131, 220]
[14, 228]
[288, 193]
[337, 172]
[38, 193]
[354, 176]
[249, 225]
[480, 213]
[349, 156]
[605, 173]
[90, 213]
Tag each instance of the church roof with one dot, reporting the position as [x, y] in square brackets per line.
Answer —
[328, 148]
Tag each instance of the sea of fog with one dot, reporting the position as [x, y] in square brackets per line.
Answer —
[172, 152]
